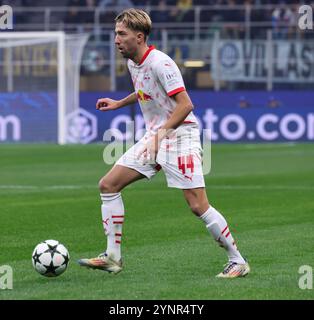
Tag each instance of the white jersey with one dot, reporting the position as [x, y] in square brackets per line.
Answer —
[156, 79]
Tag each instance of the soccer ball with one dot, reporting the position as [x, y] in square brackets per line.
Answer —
[50, 258]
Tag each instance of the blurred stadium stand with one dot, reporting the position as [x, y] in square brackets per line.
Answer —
[185, 29]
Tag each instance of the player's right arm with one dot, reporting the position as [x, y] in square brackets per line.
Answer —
[107, 104]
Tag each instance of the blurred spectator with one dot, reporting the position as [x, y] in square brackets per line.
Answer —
[74, 16]
[89, 13]
[283, 21]
[162, 12]
[109, 14]
[183, 11]
[116, 3]
[234, 18]
[213, 15]
[257, 17]
[18, 17]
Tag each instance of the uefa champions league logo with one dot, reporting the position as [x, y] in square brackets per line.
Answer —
[6, 17]
[6, 277]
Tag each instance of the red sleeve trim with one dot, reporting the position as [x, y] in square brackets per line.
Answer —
[171, 93]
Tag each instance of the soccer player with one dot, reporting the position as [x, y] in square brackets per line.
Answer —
[171, 143]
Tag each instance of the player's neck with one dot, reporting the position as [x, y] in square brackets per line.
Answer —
[141, 52]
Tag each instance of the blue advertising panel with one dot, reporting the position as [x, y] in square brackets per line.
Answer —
[28, 117]
[232, 116]
[248, 116]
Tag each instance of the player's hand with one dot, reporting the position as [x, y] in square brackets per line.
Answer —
[150, 150]
[153, 147]
[106, 104]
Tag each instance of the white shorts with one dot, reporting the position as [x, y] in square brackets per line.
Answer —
[179, 156]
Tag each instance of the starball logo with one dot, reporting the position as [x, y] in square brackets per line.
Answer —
[306, 17]
[6, 17]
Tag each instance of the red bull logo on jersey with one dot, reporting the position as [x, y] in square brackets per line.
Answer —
[143, 97]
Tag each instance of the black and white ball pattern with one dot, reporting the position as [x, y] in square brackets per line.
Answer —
[50, 258]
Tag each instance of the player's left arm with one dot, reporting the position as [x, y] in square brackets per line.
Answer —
[183, 107]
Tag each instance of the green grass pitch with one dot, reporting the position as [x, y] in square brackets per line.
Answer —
[266, 193]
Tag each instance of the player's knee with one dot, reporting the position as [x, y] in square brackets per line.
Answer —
[106, 186]
[196, 208]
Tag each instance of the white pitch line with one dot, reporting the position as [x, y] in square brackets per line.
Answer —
[259, 187]
[209, 186]
[58, 187]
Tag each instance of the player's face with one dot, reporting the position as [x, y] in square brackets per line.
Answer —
[126, 41]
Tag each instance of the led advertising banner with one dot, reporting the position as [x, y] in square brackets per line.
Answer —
[246, 116]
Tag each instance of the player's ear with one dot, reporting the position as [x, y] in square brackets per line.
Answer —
[140, 37]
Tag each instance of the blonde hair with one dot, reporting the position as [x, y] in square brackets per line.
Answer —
[136, 20]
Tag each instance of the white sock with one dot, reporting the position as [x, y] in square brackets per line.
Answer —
[112, 210]
[218, 227]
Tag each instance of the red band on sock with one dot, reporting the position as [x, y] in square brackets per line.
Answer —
[224, 230]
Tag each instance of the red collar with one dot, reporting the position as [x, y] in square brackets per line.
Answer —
[150, 48]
